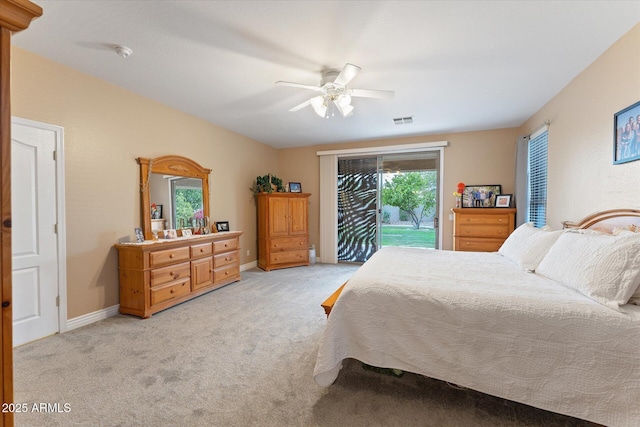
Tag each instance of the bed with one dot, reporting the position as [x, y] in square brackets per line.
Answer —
[547, 321]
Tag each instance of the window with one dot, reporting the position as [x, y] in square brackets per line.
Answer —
[537, 179]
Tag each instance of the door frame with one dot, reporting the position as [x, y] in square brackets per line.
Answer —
[60, 215]
[329, 190]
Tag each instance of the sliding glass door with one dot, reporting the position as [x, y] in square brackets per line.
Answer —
[408, 198]
[387, 200]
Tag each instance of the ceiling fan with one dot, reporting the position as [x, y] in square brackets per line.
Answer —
[335, 93]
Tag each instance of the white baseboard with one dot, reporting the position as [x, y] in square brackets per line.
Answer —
[249, 265]
[90, 318]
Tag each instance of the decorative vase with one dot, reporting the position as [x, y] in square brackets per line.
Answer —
[458, 202]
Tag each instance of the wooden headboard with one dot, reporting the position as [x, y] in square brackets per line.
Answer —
[606, 221]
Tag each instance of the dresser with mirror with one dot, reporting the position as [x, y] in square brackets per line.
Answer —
[159, 273]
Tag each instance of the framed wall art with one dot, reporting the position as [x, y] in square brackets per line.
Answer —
[480, 196]
[626, 134]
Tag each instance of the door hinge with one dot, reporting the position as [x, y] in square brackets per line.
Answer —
[55, 228]
[436, 222]
[58, 301]
[55, 155]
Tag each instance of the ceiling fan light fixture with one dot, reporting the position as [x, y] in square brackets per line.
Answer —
[344, 108]
[344, 101]
[319, 105]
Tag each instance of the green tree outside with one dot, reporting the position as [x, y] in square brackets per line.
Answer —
[413, 192]
[188, 201]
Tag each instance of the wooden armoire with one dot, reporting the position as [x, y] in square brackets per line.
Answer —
[283, 230]
[15, 15]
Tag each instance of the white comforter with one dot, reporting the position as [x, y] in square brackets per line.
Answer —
[477, 320]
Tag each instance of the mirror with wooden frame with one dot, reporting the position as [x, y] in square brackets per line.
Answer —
[176, 171]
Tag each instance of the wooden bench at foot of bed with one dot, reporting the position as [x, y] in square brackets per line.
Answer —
[328, 303]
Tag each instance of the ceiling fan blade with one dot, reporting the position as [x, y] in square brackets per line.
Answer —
[371, 93]
[348, 72]
[300, 85]
[301, 106]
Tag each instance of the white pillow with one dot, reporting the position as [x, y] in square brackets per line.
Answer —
[603, 267]
[527, 245]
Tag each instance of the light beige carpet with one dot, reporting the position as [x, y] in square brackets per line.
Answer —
[242, 355]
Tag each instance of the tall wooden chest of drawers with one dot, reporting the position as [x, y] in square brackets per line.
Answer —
[481, 229]
[283, 230]
[157, 275]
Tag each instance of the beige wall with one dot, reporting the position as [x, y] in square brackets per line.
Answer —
[582, 177]
[105, 129]
[484, 157]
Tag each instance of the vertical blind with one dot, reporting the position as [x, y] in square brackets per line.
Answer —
[357, 208]
[537, 180]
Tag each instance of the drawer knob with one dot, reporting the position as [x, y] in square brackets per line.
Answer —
[201, 250]
[275, 246]
[468, 243]
[499, 219]
[173, 291]
[226, 258]
[170, 255]
[499, 231]
[226, 245]
[300, 243]
[226, 273]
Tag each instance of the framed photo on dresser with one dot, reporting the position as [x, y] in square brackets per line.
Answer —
[480, 196]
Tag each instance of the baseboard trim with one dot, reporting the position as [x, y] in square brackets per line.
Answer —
[249, 265]
[89, 318]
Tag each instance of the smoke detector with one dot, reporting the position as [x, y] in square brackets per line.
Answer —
[123, 51]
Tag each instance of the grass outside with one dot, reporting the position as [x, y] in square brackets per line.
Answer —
[402, 235]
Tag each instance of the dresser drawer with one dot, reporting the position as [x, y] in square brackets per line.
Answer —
[477, 245]
[225, 245]
[289, 256]
[481, 230]
[288, 244]
[163, 275]
[168, 256]
[170, 291]
[225, 273]
[202, 250]
[221, 260]
[485, 219]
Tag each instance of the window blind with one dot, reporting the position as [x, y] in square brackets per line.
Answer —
[537, 180]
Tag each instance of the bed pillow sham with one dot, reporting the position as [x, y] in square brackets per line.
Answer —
[527, 245]
[602, 267]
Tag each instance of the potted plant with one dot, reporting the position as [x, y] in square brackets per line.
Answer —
[266, 184]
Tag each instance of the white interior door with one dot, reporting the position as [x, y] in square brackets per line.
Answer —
[34, 239]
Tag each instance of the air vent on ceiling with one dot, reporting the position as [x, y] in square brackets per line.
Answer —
[403, 120]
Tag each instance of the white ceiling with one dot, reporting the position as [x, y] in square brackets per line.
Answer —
[454, 65]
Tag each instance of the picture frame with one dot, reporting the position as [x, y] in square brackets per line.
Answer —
[626, 134]
[503, 201]
[139, 234]
[186, 232]
[480, 196]
[156, 211]
[295, 187]
[170, 233]
[222, 226]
